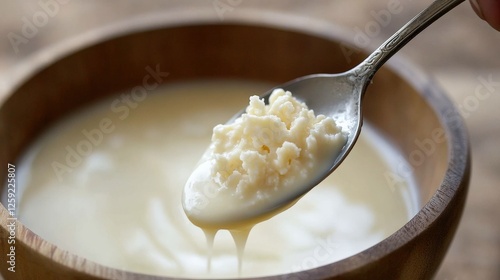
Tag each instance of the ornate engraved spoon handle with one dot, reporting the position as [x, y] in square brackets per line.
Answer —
[370, 65]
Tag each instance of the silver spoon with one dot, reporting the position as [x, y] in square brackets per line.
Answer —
[340, 96]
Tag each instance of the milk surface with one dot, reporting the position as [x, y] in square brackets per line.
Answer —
[107, 186]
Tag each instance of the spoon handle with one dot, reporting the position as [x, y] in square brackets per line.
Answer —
[368, 68]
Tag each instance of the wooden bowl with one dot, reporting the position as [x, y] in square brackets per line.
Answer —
[408, 108]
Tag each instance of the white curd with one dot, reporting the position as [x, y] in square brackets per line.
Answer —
[264, 156]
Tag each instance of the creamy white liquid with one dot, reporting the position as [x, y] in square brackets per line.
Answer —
[119, 204]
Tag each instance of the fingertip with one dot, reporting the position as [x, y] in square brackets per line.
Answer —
[489, 10]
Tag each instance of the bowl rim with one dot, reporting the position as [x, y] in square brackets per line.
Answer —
[456, 175]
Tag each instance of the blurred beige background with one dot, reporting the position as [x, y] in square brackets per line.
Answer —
[460, 51]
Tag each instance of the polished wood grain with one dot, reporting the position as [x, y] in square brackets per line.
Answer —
[401, 103]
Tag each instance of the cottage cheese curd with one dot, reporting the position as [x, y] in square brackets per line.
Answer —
[258, 161]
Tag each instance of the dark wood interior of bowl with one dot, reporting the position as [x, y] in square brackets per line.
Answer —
[396, 107]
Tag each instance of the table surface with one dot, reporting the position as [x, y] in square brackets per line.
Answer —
[460, 51]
